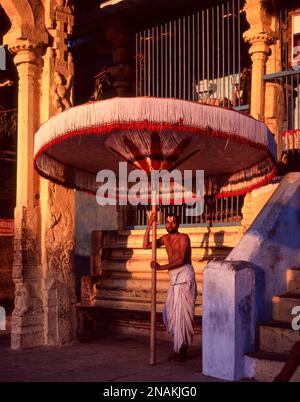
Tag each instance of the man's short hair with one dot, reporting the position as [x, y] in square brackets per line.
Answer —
[176, 217]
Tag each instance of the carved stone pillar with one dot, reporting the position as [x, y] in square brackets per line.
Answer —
[259, 36]
[27, 319]
[57, 202]
[258, 52]
[58, 283]
[43, 268]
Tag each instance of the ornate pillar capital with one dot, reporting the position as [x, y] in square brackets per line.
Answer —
[26, 51]
[259, 42]
[21, 39]
[260, 36]
[259, 16]
[24, 56]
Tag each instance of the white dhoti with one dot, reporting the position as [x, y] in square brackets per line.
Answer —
[178, 313]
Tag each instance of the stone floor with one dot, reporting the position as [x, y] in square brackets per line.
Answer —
[117, 358]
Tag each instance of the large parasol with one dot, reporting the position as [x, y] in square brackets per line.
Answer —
[236, 152]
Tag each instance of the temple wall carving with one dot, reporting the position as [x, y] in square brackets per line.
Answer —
[57, 206]
[58, 272]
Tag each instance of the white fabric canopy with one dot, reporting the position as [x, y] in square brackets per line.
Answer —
[236, 152]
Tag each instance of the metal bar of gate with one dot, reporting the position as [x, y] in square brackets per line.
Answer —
[239, 47]
[141, 58]
[188, 58]
[184, 57]
[170, 60]
[228, 52]
[218, 54]
[207, 50]
[166, 58]
[198, 55]
[149, 61]
[179, 58]
[157, 62]
[145, 64]
[213, 53]
[136, 64]
[203, 47]
[175, 59]
[193, 58]
[152, 62]
[161, 41]
[233, 45]
[223, 54]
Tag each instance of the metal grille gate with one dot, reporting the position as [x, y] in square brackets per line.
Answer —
[199, 57]
[288, 78]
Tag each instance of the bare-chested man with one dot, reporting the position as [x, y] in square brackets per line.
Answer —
[179, 309]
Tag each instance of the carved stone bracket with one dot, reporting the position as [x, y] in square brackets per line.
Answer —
[62, 97]
[58, 60]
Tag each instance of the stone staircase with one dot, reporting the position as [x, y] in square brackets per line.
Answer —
[122, 291]
[277, 338]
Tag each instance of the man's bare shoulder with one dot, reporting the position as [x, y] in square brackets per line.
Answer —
[164, 238]
[184, 236]
[181, 235]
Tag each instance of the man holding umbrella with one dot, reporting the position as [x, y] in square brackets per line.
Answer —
[179, 309]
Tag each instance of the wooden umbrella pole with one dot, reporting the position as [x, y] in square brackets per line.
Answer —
[153, 294]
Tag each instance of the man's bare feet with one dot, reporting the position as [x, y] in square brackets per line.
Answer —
[173, 357]
[183, 353]
[181, 356]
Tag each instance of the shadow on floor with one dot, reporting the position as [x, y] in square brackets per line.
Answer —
[114, 358]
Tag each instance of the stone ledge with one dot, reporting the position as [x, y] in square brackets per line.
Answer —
[95, 321]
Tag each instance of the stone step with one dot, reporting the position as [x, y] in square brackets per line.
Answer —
[132, 284]
[218, 238]
[282, 307]
[134, 305]
[277, 338]
[293, 281]
[135, 284]
[127, 305]
[142, 265]
[142, 276]
[265, 366]
[142, 295]
[124, 254]
[134, 295]
[130, 322]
